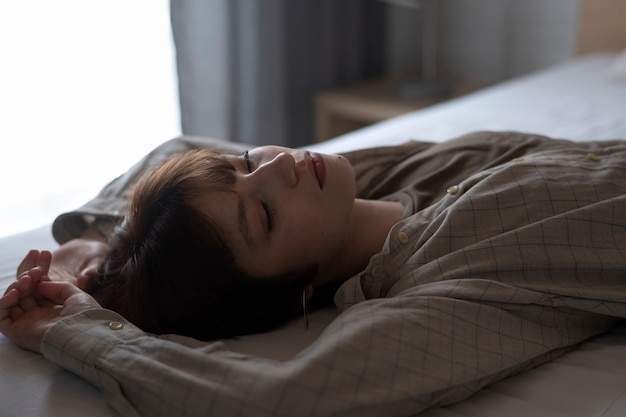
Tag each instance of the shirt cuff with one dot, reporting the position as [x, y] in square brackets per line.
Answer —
[77, 343]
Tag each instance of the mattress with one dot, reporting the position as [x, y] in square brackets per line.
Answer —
[581, 100]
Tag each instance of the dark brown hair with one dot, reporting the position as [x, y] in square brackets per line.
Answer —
[170, 269]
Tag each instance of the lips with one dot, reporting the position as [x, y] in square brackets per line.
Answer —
[319, 168]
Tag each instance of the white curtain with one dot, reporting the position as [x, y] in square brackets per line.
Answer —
[86, 88]
[249, 69]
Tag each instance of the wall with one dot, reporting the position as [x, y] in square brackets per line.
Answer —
[489, 40]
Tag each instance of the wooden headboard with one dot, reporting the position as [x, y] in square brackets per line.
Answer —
[601, 26]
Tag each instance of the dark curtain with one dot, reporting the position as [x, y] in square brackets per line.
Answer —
[249, 69]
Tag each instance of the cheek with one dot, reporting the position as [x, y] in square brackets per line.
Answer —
[309, 229]
[318, 230]
[344, 182]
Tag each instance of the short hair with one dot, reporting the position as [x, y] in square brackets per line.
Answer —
[171, 270]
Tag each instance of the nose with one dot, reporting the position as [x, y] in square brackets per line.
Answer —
[281, 169]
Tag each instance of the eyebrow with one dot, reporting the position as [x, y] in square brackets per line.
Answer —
[243, 221]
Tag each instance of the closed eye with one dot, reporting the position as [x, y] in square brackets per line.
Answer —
[269, 214]
[246, 157]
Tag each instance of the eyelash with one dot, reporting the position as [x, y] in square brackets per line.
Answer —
[246, 157]
[269, 213]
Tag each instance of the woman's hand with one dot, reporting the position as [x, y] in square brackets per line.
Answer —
[76, 261]
[33, 304]
[35, 258]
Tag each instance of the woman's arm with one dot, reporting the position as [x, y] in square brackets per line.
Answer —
[354, 369]
[384, 357]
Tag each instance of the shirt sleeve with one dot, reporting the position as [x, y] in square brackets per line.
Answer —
[383, 357]
[107, 208]
[139, 374]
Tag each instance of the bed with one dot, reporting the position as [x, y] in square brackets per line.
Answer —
[580, 100]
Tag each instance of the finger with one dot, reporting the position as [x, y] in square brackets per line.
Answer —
[83, 282]
[21, 288]
[26, 286]
[15, 312]
[21, 284]
[29, 262]
[57, 291]
[27, 289]
[35, 273]
[87, 277]
[45, 258]
[10, 287]
[28, 281]
[8, 300]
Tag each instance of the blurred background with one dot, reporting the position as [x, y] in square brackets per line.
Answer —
[88, 87]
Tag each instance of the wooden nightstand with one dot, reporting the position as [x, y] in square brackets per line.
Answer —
[345, 109]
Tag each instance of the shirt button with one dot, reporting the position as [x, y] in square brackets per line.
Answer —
[452, 190]
[116, 325]
[593, 157]
[377, 270]
[403, 237]
[518, 159]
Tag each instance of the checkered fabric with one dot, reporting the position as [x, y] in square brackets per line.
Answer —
[512, 250]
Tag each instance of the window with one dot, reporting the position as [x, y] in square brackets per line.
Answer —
[86, 89]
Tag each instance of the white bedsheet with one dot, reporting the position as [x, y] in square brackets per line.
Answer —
[576, 100]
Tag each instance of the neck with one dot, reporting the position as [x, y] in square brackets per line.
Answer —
[370, 224]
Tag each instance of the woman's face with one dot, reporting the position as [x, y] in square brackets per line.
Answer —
[290, 210]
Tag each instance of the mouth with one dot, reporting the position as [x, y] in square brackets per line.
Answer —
[319, 168]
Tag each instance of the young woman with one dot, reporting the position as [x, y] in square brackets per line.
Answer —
[457, 264]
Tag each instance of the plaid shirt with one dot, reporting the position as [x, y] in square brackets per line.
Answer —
[512, 250]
